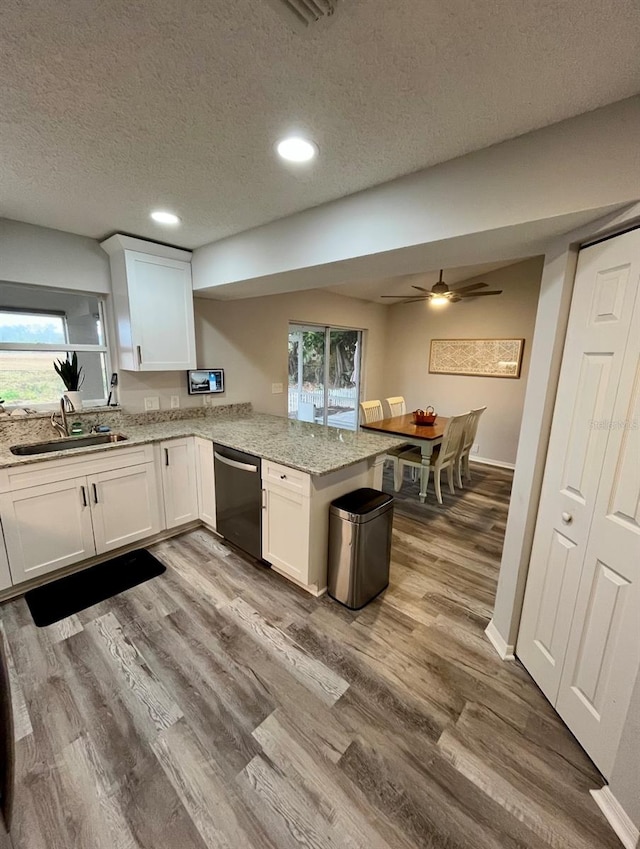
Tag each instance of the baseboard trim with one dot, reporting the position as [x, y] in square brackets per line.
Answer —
[487, 462]
[503, 648]
[617, 817]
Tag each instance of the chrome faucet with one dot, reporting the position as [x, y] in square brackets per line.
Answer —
[62, 426]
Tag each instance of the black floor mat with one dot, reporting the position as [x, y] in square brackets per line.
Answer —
[69, 595]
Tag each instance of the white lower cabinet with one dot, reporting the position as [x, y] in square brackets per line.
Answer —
[285, 531]
[179, 481]
[205, 481]
[50, 523]
[124, 506]
[47, 527]
[5, 574]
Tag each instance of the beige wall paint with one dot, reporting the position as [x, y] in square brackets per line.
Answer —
[512, 314]
[248, 339]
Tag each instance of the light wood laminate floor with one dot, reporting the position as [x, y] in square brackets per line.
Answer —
[218, 706]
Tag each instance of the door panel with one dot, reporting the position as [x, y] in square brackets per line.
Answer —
[599, 327]
[125, 506]
[47, 527]
[285, 532]
[179, 482]
[603, 653]
[161, 303]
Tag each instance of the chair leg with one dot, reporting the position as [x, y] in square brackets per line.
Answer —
[436, 480]
[459, 472]
[450, 479]
[397, 476]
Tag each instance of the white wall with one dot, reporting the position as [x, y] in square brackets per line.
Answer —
[249, 339]
[512, 314]
[44, 257]
[580, 164]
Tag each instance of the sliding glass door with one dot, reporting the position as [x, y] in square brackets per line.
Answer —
[324, 375]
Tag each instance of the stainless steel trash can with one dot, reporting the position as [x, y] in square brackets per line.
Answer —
[359, 546]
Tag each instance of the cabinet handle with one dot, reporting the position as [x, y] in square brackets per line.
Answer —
[166, 456]
[84, 497]
[567, 518]
[283, 477]
[139, 350]
[95, 493]
[264, 499]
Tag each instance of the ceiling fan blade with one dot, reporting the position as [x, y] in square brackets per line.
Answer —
[469, 288]
[415, 300]
[479, 294]
[420, 288]
[407, 297]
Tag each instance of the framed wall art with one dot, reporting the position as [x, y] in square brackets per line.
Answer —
[476, 357]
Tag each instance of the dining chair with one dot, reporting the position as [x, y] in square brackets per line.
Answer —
[443, 457]
[372, 412]
[396, 405]
[468, 439]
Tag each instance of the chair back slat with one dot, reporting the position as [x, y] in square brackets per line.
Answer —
[371, 411]
[397, 406]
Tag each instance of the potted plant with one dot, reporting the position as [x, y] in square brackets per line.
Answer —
[72, 377]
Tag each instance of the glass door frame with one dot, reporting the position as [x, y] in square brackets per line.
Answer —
[303, 327]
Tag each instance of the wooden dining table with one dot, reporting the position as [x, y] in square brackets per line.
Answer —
[426, 437]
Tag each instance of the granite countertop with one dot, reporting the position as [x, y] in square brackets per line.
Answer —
[314, 449]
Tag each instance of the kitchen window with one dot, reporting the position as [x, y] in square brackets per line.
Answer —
[37, 327]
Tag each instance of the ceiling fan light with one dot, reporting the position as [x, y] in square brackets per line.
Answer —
[438, 301]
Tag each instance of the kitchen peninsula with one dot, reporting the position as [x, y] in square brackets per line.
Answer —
[68, 509]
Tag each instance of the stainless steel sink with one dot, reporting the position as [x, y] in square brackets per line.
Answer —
[66, 443]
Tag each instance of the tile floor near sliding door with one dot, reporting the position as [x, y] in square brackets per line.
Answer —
[218, 706]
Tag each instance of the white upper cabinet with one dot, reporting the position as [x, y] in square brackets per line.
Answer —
[153, 305]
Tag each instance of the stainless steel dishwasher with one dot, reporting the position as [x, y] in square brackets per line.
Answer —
[239, 499]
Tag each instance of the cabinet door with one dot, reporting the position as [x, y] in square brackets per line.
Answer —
[47, 527]
[285, 532]
[125, 506]
[179, 482]
[205, 478]
[161, 306]
[5, 574]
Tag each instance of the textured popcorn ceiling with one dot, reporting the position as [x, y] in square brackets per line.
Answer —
[110, 109]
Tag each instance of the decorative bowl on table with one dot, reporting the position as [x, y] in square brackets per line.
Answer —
[425, 417]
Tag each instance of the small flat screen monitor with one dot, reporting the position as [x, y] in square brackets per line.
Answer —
[204, 381]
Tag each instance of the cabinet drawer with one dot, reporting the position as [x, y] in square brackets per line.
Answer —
[286, 478]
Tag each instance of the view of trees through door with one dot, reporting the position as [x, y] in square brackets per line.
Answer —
[324, 375]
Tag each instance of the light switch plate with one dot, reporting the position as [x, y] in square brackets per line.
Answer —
[277, 389]
[175, 401]
[152, 402]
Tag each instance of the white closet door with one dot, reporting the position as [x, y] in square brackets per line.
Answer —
[599, 326]
[603, 655]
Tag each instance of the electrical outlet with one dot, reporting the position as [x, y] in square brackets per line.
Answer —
[152, 402]
[207, 400]
[277, 389]
[175, 401]
[475, 448]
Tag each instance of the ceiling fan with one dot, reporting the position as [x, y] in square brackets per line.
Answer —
[441, 294]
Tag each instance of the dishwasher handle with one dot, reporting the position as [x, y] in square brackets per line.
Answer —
[245, 467]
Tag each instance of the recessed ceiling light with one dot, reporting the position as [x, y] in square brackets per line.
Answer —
[296, 149]
[163, 217]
